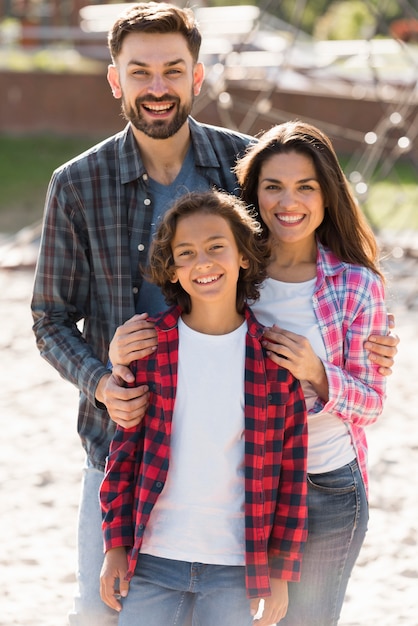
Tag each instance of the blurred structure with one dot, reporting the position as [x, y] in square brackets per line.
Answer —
[259, 71]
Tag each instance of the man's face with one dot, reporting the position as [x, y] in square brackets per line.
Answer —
[157, 80]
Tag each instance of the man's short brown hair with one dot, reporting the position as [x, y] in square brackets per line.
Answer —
[155, 17]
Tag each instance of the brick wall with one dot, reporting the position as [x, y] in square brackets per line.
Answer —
[79, 105]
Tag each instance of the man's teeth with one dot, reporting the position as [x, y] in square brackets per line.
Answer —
[207, 279]
[158, 108]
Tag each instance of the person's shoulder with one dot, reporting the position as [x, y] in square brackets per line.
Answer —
[220, 133]
[351, 278]
[102, 151]
[359, 281]
[168, 319]
[363, 278]
[255, 328]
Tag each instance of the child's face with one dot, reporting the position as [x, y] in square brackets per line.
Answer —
[206, 258]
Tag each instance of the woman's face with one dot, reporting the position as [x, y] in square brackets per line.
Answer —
[290, 197]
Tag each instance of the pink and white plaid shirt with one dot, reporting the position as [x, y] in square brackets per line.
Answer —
[349, 304]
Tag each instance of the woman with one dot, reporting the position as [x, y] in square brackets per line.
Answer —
[323, 298]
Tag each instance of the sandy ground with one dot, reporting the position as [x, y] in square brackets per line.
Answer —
[41, 460]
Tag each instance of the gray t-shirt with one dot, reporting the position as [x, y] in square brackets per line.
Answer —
[150, 298]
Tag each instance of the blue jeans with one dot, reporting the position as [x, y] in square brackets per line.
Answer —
[89, 610]
[337, 523]
[164, 592]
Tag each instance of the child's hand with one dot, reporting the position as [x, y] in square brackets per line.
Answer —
[275, 606]
[115, 567]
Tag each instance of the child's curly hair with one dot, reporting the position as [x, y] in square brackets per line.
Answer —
[245, 228]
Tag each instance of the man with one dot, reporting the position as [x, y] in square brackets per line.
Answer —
[101, 209]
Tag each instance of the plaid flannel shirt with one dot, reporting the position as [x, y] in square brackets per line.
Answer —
[349, 303]
[96, 205]
[275, 460]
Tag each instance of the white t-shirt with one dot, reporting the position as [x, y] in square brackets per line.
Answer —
[289, 305]
[199, 515]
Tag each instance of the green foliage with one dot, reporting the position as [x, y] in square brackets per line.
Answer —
[354, 17]
[223, 3]
[302, 14]
[393, 197]
[350, 19]
[54, 59]
[26, 165]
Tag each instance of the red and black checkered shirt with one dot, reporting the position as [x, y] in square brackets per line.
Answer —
[275, 460]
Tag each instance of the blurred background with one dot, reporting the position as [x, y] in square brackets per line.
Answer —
[348, 66]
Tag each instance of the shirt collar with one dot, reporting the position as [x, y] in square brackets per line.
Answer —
[204, 154]
[328, 264]
[168, 320]
[130, 162]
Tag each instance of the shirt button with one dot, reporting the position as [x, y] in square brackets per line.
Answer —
[158, 485]
[135, 290]
[145, 177]
[147, 201]
[141, 247]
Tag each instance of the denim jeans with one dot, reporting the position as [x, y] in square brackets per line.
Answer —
[89, 610]
[337, 523]
[164, 592]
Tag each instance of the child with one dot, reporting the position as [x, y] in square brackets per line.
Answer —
[204, 503]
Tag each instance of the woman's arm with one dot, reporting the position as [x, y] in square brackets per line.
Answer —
[355, 388]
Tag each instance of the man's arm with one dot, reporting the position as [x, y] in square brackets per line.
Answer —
[126, 405]
[134, 340]
[61, 293]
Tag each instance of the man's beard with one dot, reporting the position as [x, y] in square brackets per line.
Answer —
[157, 129]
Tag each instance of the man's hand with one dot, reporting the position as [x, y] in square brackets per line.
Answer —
[135, 339]
[383, 349]
[126, 406]
[112, 578]
[275, 606]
